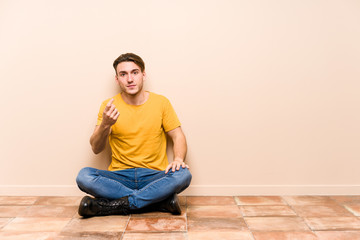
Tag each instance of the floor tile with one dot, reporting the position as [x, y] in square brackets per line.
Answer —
[155, 236]
[49, 211]
[259, 200]
[182, 200]
[346, 199]
[19, 235]
[333, 223]
[89, 236]
[209, 200]
[276, 224]
[354, 208]
[239, 235]
[13, 200]
[156, 224]
[4, 222]
[338, 235]
[214, 211]
[62, 201]
[96, 224]
[308, 200]
[284, 236]
[321, 211]
[159, 214]
[37, 224]
[210, 217]
[216, 224]
[266, 211]
[11, 211]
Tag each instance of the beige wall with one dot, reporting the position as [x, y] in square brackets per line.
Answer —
[267, 91]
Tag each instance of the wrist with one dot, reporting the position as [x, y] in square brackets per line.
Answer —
[178, 160]
[105, 126]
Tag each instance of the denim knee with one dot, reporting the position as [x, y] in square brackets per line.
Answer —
[187, 177]
[183, 178]
[85, 177]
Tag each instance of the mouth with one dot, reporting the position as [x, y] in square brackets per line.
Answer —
[131, 86]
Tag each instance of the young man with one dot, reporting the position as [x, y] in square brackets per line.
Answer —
[135, 122]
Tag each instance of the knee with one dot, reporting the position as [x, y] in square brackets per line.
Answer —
[188, 176]
[85, 176]
[184, 176]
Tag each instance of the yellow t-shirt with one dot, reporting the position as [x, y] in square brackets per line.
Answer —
[138, 139]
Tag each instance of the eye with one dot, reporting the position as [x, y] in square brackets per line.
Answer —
[122, 74]
[136, 72]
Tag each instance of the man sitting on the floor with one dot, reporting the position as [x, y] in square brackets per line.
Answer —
[139, 177]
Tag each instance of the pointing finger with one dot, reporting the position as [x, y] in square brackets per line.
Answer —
[109, 104]
[112, 108]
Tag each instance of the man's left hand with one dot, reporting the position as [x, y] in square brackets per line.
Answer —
[175, 166]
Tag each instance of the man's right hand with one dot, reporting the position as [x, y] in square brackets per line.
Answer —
[110, 114]
[102, 131]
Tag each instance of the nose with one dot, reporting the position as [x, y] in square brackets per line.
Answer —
[130, 79]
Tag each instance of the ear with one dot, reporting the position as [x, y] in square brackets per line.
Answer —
[116, 79]
[144, 74]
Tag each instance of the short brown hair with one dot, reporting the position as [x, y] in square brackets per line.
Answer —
[129, 57]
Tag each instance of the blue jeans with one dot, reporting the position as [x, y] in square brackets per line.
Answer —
[142, 186]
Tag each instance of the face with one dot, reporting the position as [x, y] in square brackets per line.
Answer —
[130, 78]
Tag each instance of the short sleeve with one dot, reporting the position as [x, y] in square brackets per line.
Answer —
[100, 114]
[170, 119]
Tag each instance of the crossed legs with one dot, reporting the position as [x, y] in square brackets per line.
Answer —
[142, 187]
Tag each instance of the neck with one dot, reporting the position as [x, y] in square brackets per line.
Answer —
[138, 99]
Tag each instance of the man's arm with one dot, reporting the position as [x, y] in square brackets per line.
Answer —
[180, 149]
[102, 131]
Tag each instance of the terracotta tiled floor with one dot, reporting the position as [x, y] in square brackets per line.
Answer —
[238, 217]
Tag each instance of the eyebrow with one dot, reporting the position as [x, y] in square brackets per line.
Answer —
[133, 70]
